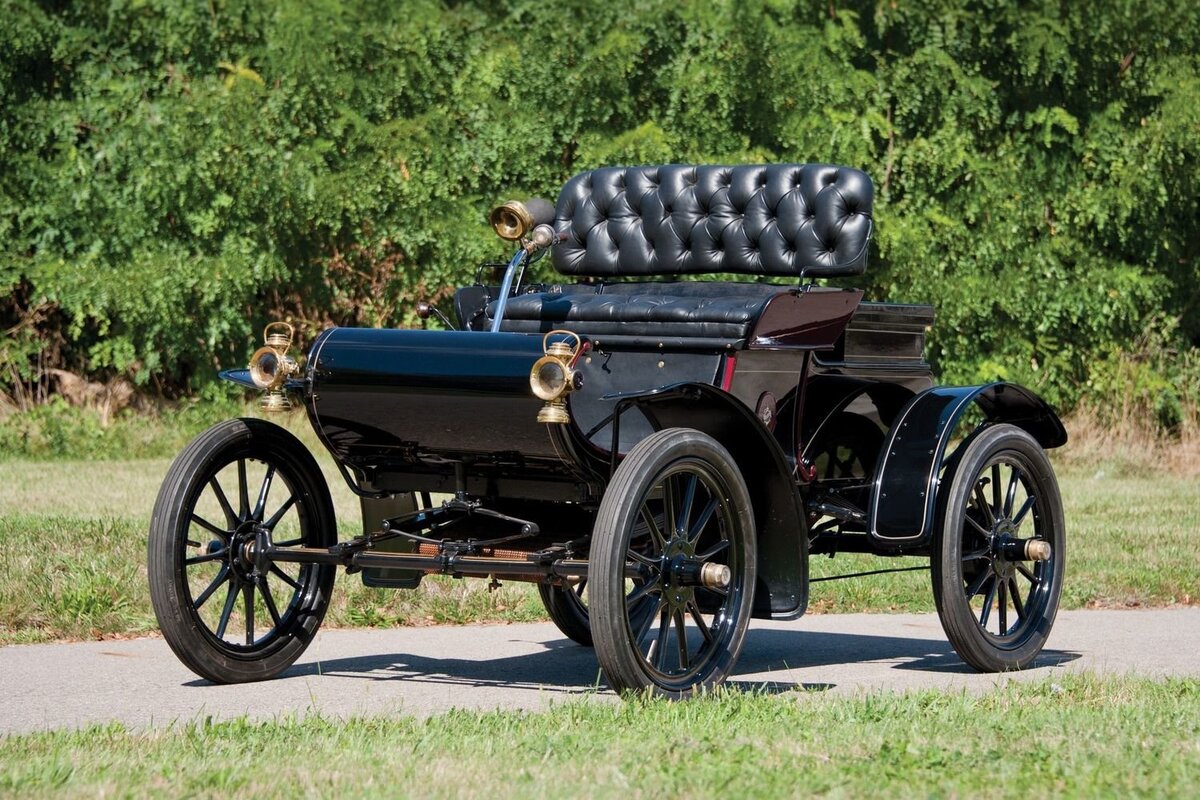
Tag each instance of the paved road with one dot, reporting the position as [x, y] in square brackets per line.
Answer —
[428, 670]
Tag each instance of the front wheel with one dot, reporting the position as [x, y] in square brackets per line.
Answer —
[999, 552]
[672, 565]
[231, 617]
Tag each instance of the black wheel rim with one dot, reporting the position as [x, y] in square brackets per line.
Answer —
[1008, 596]
[682, 631]
[246, 611]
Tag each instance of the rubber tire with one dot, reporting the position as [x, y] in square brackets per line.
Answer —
[203, 457]
[617, 653]
[567, 613]
[972, 644]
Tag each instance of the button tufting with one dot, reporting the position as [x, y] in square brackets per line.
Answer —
[620, 201]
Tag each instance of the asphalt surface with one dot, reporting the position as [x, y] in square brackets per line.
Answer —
[423, 671]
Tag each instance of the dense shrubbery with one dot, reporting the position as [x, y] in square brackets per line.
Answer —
[174, 174]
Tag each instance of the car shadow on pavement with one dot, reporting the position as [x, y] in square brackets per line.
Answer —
[566, 668]
[768, 650]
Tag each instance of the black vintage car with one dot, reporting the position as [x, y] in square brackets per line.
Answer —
[662, 456]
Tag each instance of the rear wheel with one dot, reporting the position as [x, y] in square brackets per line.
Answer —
[672, 566]
[231, 617]
[996, 601]
[567, 607]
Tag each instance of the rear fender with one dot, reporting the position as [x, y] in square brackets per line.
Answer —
[782, 588]
[907, 478]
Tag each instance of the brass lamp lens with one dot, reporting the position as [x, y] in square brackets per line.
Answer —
[511, 220]
[548, 379]
[264, 367]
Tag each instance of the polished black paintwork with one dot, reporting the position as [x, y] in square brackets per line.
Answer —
[903, 496]
[406, 396]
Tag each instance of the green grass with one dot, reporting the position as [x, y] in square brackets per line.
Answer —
[72, 555]
[1078, 736]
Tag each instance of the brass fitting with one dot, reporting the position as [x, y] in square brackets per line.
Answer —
[511, 220]
[271, 366]
[552, 377]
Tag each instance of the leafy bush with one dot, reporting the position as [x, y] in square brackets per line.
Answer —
[173, 175]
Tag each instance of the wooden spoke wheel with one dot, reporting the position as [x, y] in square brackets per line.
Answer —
[999, 553]
[672, 566]
[230, 615]
[567, 607]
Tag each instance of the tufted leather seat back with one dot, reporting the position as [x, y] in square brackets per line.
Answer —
[774, 219]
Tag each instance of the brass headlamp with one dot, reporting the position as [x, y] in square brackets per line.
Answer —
[552, 377]
[513, 219]
[271, 365]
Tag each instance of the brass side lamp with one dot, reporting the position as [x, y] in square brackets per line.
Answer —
[271, 366]
[552, 377]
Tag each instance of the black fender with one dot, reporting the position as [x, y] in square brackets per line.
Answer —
[782, 588]
[908, 473]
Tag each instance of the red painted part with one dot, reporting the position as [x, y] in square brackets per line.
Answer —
[584, 349]
[727, 368]
[805, 320]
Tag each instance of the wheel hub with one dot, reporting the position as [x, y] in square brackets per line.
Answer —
[242, 552]
[678, 560]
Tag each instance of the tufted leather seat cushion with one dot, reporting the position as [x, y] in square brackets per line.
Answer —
[776, 219]
[715, 312]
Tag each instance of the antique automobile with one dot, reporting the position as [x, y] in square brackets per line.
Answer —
[661, 455]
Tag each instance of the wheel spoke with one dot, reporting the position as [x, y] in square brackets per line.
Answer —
[660, 642]
[987, 603]
[263, 491]
[283, 576]
[579, 587]
[977, 584]
[208, 526]
[243, 490]
[1028, 573]
[672, 513]
[647, 623]
[1028, 504]
[1002, 605]
[975, 555]
[206, 557]
[1016, 598]
[649, 587]
[642, 559]
[685, 506]
[702, 521]
[982, 530]
[227, 611]
[212, 587]
[700, 623]
[708, 554]
[996, 502]
[248, 598]
[655, 533]
[278, 515]
[681, 640]
[981, 502]
[231, 519]
[269, 600]
[1013, 482]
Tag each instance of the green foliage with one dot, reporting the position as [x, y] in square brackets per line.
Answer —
[173, 175]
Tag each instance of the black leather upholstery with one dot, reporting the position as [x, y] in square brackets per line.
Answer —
[720, 312]
[775, 219]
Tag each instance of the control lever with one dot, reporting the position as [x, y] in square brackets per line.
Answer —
[426, 309]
